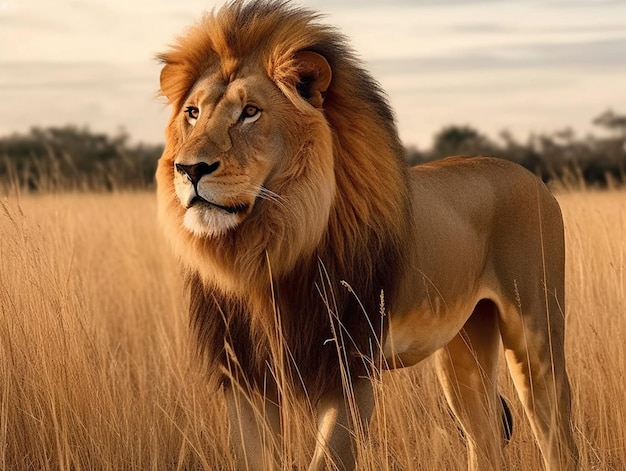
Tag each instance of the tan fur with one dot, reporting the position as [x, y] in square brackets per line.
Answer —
[317, 193]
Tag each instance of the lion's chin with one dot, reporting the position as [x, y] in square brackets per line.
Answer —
[210, 222]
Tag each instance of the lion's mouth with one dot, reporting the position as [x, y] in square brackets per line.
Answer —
[235, 209]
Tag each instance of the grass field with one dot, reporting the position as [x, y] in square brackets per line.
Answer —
[97, 370]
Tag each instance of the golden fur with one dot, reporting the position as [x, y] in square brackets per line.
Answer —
[283, 176]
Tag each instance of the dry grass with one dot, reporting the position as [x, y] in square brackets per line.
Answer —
[97, 372]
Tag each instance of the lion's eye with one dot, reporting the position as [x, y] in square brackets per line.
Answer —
[250, 114]
[192, 113]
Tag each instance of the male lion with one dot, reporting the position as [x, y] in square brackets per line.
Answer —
[285, 193]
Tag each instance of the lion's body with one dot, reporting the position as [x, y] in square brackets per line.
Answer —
[487, 220]
[283, 177]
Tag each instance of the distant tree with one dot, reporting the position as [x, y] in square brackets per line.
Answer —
[451, 139]
[614, 146]
[461, 140]
[612, 121]
[414, 156]
[524, 154]
[75, 158]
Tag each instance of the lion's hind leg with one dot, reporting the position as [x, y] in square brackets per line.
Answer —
[534, 350]
[467, 369]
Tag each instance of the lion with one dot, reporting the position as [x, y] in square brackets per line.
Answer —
[284, 191]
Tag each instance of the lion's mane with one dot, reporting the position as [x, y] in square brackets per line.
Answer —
[256, 280]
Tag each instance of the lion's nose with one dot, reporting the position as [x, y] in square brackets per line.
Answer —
[195, 172]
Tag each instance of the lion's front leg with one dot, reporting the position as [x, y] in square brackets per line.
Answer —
[254, 429]
[338, 416]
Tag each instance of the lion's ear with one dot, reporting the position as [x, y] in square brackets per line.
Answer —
[175, 79]
[314, 77]
[166, 79]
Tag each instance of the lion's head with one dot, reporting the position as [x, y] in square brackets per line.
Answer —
[280, 147]
[239, 137]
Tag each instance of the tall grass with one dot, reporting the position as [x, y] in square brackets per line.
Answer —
[97, 366]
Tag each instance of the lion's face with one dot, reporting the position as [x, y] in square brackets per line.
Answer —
[249, 156]
[231, 145]
[241, 138]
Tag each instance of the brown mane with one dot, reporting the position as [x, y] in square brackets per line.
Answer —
[366, 227]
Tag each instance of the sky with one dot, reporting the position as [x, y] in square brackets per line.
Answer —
[524, 66]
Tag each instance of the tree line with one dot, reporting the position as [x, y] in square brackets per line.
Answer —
[562, 155]
[74, 158]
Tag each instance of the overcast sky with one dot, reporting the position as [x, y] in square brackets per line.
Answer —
[519, 65]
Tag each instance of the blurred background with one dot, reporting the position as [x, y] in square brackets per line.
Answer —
[539, 82]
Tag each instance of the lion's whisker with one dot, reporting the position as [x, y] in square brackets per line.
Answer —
[268, 195]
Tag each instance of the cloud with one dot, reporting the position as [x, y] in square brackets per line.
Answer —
[481, 28]
[494, 28]
[30, 22]
[607, 54]
[41, 75]
[396, 3]
[102, 95]
[91, 8]
[583, 3]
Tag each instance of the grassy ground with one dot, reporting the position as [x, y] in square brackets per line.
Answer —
[97, 371]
